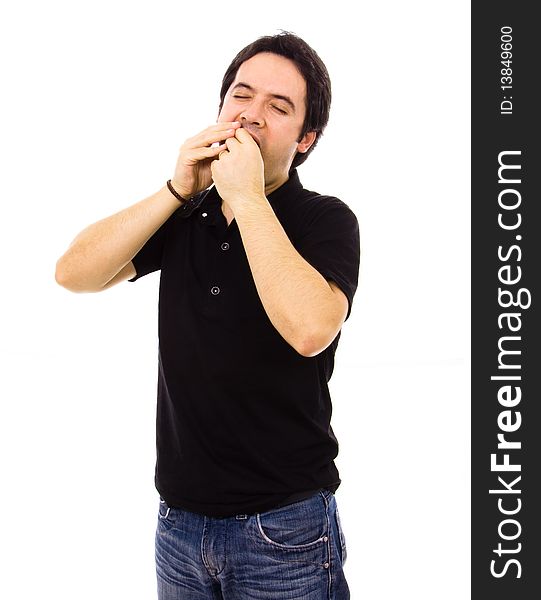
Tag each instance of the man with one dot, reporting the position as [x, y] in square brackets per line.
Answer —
[257, 278]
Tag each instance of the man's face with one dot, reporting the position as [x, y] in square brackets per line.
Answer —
[268, 97]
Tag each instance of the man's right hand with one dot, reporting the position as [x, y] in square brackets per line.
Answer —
[101, 255]
[192, 172]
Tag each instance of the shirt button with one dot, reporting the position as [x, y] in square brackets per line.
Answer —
[203, 214]
[215, 290]
[225, 246]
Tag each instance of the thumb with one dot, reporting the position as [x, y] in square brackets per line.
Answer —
[244, 136]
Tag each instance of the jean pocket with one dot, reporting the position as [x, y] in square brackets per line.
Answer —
[302, 525]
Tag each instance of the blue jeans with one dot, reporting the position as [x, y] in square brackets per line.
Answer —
[291, 553]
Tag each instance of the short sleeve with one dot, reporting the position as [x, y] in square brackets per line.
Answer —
[330, 243]
[149, 258]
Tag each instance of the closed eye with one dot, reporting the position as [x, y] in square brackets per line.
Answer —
[277, 108]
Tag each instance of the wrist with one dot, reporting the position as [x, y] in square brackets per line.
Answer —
[248, 204]
[177, 191]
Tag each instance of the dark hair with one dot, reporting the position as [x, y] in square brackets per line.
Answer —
[311, 67]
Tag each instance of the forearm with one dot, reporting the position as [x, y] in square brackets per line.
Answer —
[102, 249]
[297, 299]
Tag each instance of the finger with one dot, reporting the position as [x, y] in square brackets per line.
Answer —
[206, 143]
[212, 134]
[224, 125]
[196, 154]
[227, 127]
[223, 136]
[243, 136]
[217, 137]
[220, 127]
[231, 143]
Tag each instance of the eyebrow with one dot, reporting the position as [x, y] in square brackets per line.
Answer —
[286, 99]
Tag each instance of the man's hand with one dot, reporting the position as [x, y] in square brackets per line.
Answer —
[192, 172]
[239, 172]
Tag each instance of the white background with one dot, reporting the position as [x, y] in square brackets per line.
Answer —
[97, 98]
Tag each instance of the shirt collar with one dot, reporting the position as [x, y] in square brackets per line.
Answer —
[288, 189]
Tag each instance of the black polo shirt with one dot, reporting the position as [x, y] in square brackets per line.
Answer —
[243, 420]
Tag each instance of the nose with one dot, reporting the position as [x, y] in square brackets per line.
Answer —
[252, 115]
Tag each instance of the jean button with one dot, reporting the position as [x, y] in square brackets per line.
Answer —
[215, 290]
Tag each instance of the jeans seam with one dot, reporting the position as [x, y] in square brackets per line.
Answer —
[328, 543]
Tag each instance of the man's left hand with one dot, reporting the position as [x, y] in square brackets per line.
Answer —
[239, 172]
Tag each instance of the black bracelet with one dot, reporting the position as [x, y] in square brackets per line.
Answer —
[175, 193]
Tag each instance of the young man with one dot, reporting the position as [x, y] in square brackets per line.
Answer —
[257, 278]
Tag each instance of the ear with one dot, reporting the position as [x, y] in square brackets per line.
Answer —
[308, 139]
